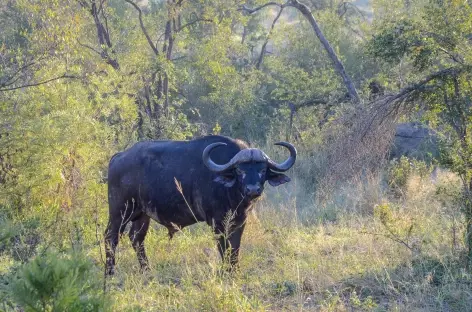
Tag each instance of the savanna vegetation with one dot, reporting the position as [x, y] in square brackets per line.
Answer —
[353, 231]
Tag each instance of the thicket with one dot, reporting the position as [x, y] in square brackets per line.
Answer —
[83, 79]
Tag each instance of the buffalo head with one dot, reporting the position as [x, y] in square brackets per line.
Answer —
[250, 168]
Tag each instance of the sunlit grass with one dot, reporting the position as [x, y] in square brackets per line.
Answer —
[349, 262]
[340, 265]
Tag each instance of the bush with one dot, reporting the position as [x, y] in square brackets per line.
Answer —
[400, 170]
[55, 282]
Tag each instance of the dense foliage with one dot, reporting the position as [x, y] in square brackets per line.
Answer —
[83, 79]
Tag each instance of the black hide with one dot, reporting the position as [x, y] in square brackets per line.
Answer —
[142, 185]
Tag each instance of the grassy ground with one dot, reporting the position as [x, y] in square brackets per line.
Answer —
[371, 251]
[402, 256]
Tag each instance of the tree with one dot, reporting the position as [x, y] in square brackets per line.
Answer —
[57, 134]
[306, 12]
[434, 53]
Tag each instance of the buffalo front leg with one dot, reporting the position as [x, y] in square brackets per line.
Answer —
[137, 234]
[229, 242]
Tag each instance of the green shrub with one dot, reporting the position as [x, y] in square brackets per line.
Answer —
[400, 170]
[55, 282]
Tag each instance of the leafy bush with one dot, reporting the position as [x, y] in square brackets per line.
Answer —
[400, 170]
[55, 282]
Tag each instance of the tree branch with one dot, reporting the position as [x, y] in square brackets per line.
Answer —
[194, 22]
[143, 28]
[419, 86]
[306, 12]
[89, 47]
[407, 92]
[250, 11]
[103, 34]
[329, 49]
[12, 78]
[40, 83]
[263, 49]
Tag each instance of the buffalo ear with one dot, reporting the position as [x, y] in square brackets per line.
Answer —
[226, 180]
[275, 179]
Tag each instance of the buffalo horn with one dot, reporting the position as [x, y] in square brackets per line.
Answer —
[210, 163]
[290, 160]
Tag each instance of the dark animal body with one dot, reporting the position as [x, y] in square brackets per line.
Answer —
[178, 183]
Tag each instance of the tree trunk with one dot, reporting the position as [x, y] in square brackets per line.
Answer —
[167, 51]
[468, 222]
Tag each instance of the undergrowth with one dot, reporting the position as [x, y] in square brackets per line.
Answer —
[384, 251]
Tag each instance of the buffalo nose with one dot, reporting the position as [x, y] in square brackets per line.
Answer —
[253, 190]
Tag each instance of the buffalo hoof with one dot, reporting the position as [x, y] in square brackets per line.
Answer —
[110, 271]
[144, 269]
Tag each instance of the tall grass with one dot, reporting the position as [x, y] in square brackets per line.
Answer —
[366, 248]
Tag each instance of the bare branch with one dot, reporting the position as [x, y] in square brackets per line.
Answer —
[89, 47]
[10, 79]
[263, 49]
[103, 33]
[306, 12]
[338, 65]
[194, 22]
[394, 101]
[143, 28]
[451, 71]
[40, 83]
[250, 11]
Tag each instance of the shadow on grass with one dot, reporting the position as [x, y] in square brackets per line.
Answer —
[423, 284]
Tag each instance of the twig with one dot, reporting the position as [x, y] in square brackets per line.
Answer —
[89, 47]
[39, 83]
[250, 11]
[391, 236]
[194, 22]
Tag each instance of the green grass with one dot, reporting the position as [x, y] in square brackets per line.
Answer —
[349, 262]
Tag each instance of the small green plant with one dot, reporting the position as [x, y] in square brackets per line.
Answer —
[363, 304]
[285, 288]
[400, 170]
[56, 282]
[6, 233]
[395, 229]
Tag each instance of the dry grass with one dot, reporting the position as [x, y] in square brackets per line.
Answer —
[362, 248]
[347, 263]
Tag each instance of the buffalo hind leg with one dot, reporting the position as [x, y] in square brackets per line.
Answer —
[137, 234]
[228, 245]
[114, 230]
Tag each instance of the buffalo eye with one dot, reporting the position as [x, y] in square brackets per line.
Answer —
[262, 173]
[241, 173]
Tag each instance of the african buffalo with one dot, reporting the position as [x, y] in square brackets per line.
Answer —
[179, 183]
